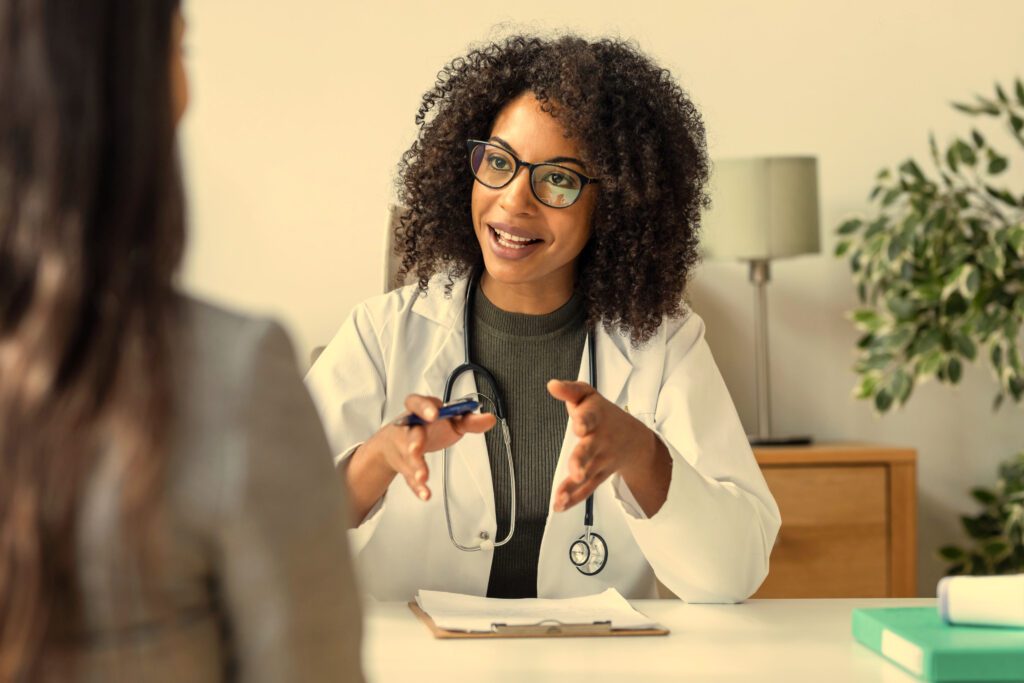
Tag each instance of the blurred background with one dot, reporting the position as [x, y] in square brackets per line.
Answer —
[300, 112]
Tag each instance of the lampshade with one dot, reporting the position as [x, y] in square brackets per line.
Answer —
[762, 208]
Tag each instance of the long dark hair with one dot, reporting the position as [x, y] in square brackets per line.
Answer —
[91, 234]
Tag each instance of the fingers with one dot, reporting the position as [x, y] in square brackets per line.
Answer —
[581, 460]
[581, 402]
[584, 421]
[424, 406]
[570, 392]
[475, 423]
[413, 464]
[570, 493]
[587, 471]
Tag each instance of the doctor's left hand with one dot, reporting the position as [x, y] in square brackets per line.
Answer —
[610, 440]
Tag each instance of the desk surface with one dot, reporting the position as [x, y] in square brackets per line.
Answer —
[760, 640]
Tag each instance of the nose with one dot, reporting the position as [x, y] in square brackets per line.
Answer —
[517, 197]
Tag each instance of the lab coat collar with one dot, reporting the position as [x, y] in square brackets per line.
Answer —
[613, 356]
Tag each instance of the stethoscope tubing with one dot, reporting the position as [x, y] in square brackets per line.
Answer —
[499, 412]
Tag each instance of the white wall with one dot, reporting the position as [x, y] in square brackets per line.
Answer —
[301, 111]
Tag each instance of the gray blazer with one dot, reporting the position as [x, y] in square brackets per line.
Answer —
[254, 580]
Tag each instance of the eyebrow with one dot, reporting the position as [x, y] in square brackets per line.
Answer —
[553, 160]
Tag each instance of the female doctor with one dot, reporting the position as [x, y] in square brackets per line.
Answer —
[553, 203]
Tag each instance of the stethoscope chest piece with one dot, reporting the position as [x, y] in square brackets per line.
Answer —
[589, 553]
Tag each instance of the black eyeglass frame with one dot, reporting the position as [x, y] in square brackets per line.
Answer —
[584, 179]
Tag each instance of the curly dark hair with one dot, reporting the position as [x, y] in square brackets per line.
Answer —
[639, 133]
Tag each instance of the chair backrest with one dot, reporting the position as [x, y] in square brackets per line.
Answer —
[392, 261]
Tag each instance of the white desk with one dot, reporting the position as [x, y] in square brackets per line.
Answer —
[762, 640]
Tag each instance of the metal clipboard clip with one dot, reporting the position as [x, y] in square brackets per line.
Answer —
[553, 627]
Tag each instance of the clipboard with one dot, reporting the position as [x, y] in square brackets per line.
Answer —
[544, 629]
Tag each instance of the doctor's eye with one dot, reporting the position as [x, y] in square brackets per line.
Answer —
[499, 162]
[560, 179]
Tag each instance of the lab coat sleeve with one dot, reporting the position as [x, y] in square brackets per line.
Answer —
[711, 539]
[347, 384]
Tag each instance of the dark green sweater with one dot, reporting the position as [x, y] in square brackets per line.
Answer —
[523, 352]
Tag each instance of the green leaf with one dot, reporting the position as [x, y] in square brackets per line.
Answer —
[925, 341]
[988, 106]
[966, 153]
[850, 226]
[983, 496]
[955, 306]
[982, 526]
[891, 196]
[842, 247]
[979, 140]
[995, 549]
[1019, 87]
[900, 386]
[1001, 94]
[930, 363]
[996, 164]
[1017, 123]
[866, 319]
[951, 553]
[953, 370]
[1016, 386]
[896, 247]
[994, 259]
[951, 158]
[866, 387]
[911, 168]
[883, 401]
[874, 361]
[901, 307]
[966, 108]
[1003, 196]
[965, 346]
[997, 356]
[1015, 236]
[969, 281]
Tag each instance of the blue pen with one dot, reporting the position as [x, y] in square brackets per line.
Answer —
[453, 409]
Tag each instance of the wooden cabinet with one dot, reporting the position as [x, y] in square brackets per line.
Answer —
[849, 521]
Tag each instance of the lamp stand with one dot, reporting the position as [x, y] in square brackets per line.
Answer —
[760, 276]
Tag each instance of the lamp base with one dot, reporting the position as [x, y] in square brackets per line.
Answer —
[779, 440]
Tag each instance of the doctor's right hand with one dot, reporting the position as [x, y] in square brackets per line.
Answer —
[400, 450]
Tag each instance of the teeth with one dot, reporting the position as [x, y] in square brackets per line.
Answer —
[509, 237]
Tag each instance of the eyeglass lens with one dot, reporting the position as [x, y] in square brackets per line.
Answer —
[553, 185]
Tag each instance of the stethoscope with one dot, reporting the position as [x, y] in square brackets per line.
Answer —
[589, 552]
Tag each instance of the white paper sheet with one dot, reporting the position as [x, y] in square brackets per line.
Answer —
[457, 612]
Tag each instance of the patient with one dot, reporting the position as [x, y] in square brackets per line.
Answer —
[168, 507]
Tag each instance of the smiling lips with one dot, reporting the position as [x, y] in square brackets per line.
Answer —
[510, 237]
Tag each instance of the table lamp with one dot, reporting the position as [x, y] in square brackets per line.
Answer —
[763, 208]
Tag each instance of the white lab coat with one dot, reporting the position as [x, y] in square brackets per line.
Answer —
[709, 542]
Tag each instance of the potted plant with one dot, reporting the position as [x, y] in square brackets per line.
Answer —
[939, 271]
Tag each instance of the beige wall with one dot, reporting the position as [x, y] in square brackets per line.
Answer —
[301, 111]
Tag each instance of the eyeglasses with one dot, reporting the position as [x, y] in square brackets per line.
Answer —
[552, 184]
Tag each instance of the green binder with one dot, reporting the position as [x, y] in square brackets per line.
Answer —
[918, 640]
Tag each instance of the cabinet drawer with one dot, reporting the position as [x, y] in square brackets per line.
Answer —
[834, 536]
